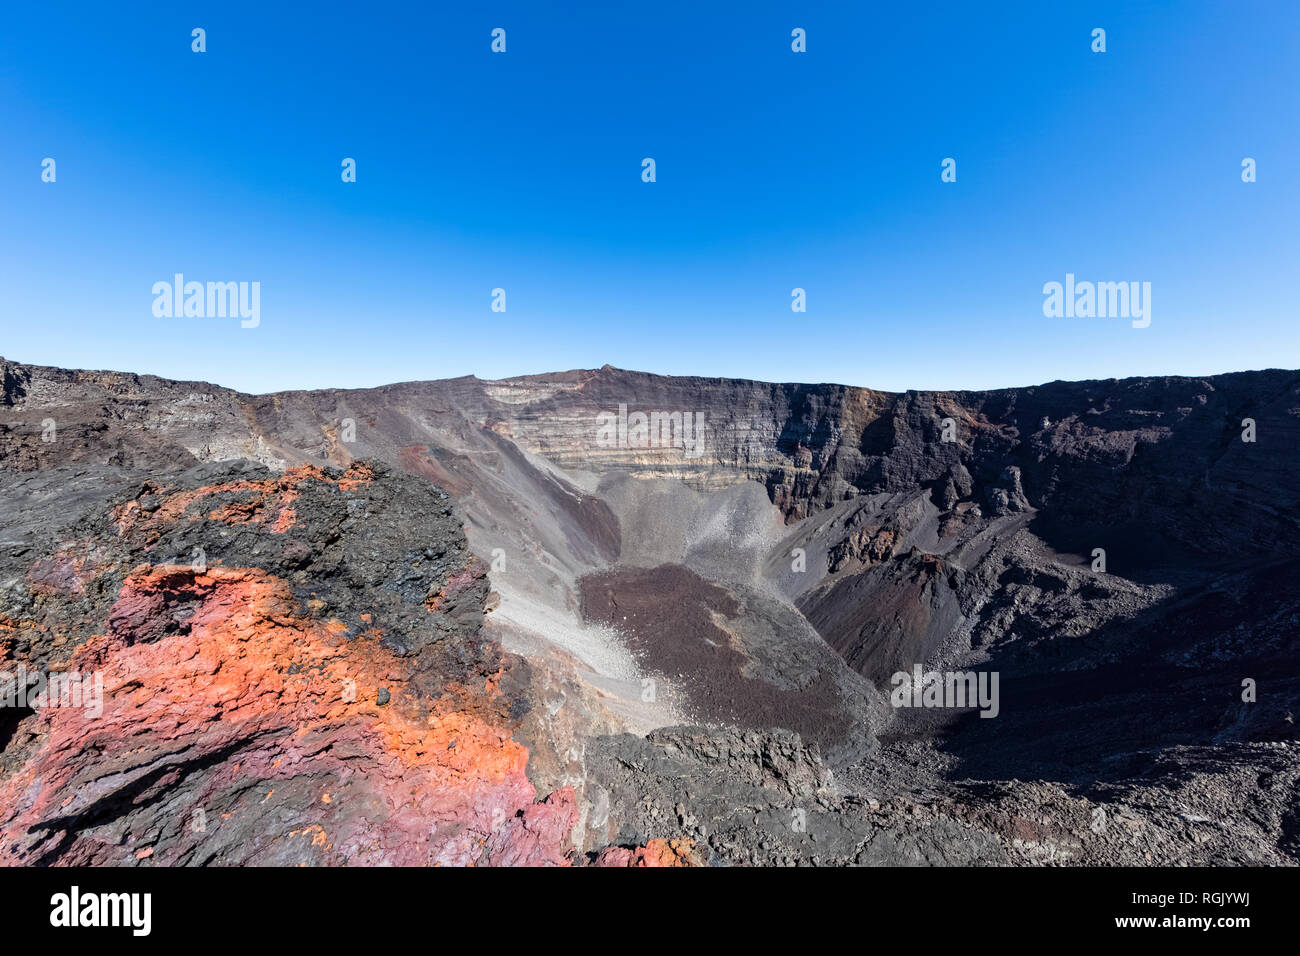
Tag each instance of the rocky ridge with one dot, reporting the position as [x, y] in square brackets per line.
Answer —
[818, 540]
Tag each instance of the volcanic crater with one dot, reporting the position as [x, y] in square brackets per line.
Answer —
[443, 623]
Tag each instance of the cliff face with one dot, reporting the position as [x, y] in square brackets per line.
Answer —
[1165, 454]
[1160, 453]
[286, 669]
[289, 619]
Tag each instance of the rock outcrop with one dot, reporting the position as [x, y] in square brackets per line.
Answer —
[702, 592]
[273, 669]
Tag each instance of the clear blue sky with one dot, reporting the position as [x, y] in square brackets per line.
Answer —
[775, 170]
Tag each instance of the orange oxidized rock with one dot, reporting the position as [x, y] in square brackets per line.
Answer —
[657, 852]
[233, 697]
[678, 852]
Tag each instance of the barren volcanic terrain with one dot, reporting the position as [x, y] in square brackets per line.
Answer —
[612, 618]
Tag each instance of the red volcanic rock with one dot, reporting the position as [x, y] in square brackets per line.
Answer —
[678, 852]
[253, 697]
[249, 718]
[67, 571]
[535, 835]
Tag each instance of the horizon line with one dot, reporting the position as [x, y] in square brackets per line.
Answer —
[614, 368]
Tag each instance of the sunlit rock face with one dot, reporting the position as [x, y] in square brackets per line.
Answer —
[310, 685]
[582, 617]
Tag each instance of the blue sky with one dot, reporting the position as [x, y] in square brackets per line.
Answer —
[775, 170]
